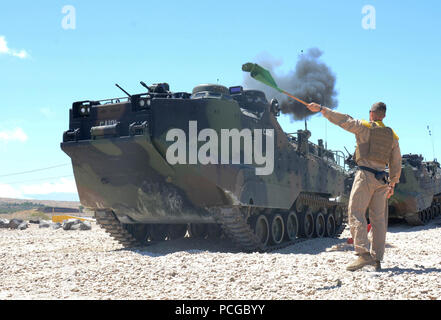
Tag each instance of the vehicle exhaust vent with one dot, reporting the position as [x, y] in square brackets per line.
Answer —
[71, 135]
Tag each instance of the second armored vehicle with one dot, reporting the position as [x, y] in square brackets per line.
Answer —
[417, 197]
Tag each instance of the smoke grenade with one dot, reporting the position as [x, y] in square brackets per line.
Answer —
[311, 80]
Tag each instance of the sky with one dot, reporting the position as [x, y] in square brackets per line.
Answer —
[49, 60]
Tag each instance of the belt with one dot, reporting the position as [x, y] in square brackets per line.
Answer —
[379, 175]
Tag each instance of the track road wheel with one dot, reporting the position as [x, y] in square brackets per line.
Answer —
[431, 214]
[338, 215]
[320, 225]
[158, 232]
[330, 225]
[140, 232]
[214, 231]
[176, 231]
[435, 211]
[425, 216]
[277, 229]
[198, 230]
[261, 229]
[306, 224]
[291, 226]
[421, 216]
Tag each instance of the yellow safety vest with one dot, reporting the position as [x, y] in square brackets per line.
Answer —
[368, 124]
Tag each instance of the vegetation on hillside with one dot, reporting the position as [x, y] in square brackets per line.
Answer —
[14, 207]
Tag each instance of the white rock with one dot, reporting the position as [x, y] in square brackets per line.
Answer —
[90, 265]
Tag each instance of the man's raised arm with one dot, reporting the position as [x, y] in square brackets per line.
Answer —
[343, 120]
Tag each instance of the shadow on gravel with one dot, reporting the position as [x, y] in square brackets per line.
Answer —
[335, 286]
[188, 245]
[404, 227]
[316, 246]
[196, 246]
[311, 246]
[420, 270]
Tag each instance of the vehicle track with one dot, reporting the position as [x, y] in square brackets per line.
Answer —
[234, 223]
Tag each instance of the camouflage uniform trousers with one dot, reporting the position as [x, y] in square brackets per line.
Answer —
[368, 192]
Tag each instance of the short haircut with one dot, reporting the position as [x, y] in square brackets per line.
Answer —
[379, 107]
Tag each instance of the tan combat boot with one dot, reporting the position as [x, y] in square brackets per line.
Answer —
[377, 265]
[365, 259]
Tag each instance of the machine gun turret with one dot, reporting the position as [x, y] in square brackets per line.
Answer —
[349, 161]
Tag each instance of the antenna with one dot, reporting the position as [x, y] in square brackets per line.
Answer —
[123, 90]
[144, 85]
[431, 138]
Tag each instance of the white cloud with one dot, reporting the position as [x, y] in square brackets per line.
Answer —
[8, 191]
[63, 185]
[4, 49]
[16, 134]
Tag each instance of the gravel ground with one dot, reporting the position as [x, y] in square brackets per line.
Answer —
[56, 264]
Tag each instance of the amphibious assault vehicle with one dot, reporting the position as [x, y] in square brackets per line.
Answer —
[417, 198]
[163, 165]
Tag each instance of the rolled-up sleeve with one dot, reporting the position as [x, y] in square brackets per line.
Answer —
[395, 163]
[343, 120]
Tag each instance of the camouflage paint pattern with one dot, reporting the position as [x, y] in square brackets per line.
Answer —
[118, 156]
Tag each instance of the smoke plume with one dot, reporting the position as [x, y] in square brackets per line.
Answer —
[310, 81]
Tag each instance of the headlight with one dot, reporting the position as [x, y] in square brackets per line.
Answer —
[84, 111]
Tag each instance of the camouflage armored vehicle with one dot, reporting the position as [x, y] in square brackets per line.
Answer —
[157, 165]
[417, 198]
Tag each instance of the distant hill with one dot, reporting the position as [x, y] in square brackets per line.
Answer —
[5, 202]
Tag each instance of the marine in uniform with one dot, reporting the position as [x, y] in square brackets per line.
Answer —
[377, 147]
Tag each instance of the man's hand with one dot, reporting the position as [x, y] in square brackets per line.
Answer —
[314, 107]
[390, 190]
